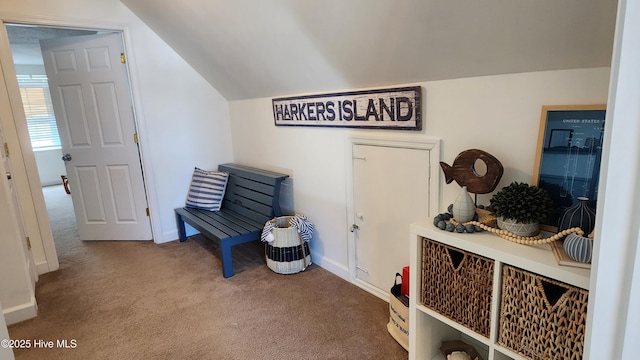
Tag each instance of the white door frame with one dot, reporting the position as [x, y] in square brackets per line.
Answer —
[19, 125]
[430, 144]
[613, 312]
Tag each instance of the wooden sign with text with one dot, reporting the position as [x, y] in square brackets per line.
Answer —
[395, 108]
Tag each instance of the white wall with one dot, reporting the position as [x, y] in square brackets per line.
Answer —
[498, 114]
[182, 121]
[5, 353]
[50, 166]
[16, 293]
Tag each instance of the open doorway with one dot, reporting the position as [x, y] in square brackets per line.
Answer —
[49, 137]
[45, 140]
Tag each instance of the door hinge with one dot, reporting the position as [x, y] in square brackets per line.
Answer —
[123, 58]
[6, 149]
[148, 212]
[28, 243]
[135, 138]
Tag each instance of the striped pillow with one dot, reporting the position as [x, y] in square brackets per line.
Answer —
[207, 189]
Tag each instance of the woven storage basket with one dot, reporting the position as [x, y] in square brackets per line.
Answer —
[457, 284]
[541, 318]
[287, 253]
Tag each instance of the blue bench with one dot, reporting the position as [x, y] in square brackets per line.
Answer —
[250, 200]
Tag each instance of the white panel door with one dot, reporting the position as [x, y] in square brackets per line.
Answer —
[90, 94]
[390, 190]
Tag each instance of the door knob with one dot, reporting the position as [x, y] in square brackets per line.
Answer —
[354, 227]
[66, 157]
[8, 175]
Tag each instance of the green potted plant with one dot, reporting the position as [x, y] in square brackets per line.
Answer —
[520, 207]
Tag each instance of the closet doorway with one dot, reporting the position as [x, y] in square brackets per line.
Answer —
[394, 183]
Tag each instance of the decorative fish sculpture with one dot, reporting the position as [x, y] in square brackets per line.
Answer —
[464, 173]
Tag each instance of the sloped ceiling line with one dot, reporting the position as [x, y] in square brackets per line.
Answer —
[266, 48]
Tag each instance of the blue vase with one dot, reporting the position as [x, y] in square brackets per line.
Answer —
[578, 215]
[578, 248]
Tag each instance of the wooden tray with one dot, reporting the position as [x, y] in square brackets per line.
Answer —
[563, 259]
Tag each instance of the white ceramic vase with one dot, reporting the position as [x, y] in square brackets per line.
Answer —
[464, 209]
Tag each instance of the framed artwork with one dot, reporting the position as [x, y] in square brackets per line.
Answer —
[568, 155]
[390, 109]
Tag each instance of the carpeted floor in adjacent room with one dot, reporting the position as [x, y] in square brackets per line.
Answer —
[140, 300]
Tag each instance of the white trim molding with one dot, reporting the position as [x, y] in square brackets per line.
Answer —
[22, 312]
[613, 314]
[430, 144]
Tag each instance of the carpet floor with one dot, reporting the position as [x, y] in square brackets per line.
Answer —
[140, 300]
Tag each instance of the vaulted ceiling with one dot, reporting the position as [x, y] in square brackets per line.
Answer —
[265, 48]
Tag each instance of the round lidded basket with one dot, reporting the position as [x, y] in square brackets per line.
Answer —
[288, 253]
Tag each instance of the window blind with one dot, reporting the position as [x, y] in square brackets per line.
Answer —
[41, 121]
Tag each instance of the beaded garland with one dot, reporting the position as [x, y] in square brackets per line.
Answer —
[475, 226]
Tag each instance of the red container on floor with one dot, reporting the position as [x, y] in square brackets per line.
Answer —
[404, 290]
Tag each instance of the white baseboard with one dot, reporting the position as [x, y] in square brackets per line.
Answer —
[21, 312]
[43, 268]
[167, 236]
[372, 289]
[172, 235]
[332, 266]
[57, 181]
[343, 272]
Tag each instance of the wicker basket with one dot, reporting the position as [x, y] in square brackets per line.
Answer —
[288, 253]
[541, 318]
[457, 284]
